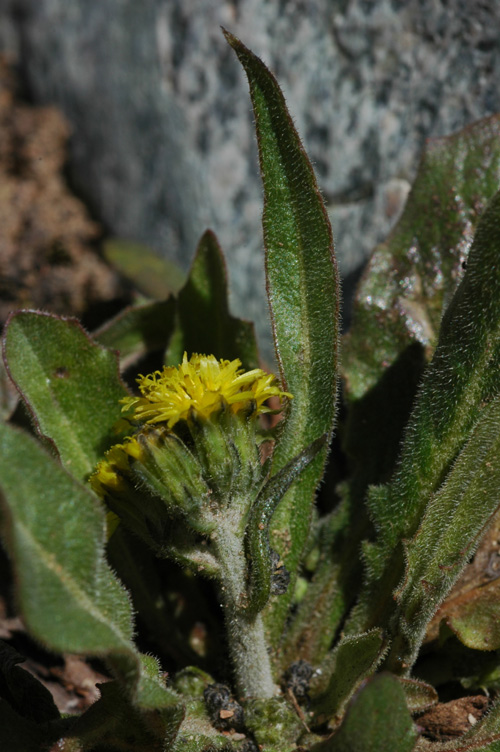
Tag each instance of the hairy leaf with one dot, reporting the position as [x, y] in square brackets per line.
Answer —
[260, 517]
[68, 596]
[419, 695]
[70, 385]
[462, 379]
[138, 329]
[302, 284]
[351, 662]
[204, 324]
[449, 532]
[413, 275]
[377, 719]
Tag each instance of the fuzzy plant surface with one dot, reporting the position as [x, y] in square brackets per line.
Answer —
[168, 510]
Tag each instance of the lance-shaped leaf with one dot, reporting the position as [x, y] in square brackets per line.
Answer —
[377, 719]
[413, 275]
[352, 661]
[138, 330]
[302, 285]
[463, 377]
[69, 598]
[260, 517]
[204, 324]
[69, 383]
[449, 533]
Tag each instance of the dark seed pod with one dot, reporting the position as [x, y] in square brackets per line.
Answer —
[225, 713]
[280, 576]
[298, 677]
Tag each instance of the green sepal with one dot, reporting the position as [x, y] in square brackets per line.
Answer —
[351, 662]
[302, 285]
[260, 516]
[172, 472]
[226, 446]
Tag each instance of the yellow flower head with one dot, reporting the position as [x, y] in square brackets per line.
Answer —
[111, 472]
[203, 385]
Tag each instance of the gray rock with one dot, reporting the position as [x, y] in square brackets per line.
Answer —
[163, 143]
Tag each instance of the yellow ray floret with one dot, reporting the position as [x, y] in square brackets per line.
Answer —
[202, 385]
[111, 472]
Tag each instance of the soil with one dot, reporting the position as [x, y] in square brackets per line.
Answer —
[49, 257]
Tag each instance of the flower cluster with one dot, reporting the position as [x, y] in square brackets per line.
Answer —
[201, 385]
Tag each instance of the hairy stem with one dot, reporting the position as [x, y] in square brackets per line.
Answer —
[246, 637]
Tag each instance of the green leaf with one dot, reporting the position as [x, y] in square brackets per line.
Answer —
[461, 381]
[260, 516]
[55, 533]
[302, 284]
[68, 596]
[351, 662]
[377, 719]
[114, 723]
[8, 394]
[138, 330]
[70, 385]
[449, 532]
[204, 324]
[419, 695]
[476, 620]
[412, 276]
[156, 277]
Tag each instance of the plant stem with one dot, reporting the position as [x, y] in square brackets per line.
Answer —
[246, 637]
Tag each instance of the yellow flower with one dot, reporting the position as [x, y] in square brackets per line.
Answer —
[111, 472]
[202, 385]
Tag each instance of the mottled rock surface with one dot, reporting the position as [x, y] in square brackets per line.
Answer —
[162, 131]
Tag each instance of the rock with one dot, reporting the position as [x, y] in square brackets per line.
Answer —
[162, 132]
